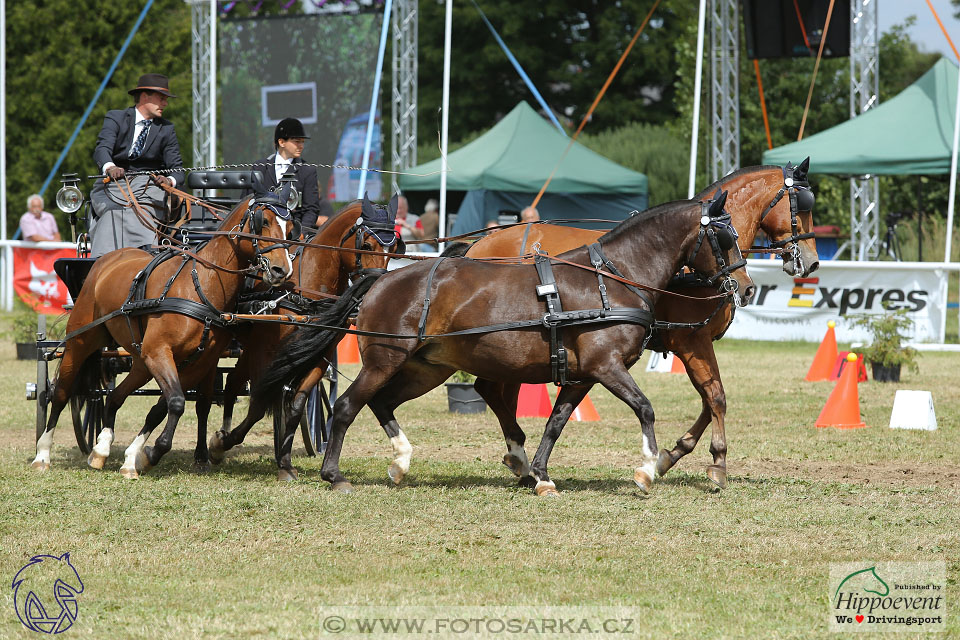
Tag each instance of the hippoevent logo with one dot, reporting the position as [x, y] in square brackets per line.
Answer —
[45, 593]
[807, 292]
[891, 596]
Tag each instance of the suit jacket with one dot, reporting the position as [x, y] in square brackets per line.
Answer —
[307, 186]
[161, 151]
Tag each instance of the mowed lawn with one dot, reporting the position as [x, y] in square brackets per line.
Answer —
[234, 554]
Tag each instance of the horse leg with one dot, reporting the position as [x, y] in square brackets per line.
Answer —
[201, 456]
[232, 387]
[222, 441]
[502, 400]
[139, 458]
[568, 399]
[285, 470]
[621, 384]
[704, 374]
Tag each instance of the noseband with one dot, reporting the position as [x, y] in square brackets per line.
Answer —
[253, 217]
[722, 236]
[798, 190]
[365, 228]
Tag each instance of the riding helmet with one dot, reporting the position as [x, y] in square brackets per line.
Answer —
[289, 128]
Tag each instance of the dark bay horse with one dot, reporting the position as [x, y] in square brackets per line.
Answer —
[417, 346]
[751, 192]
[180, 350]
[317, 271]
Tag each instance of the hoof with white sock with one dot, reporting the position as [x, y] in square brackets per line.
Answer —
[215, 449]
[130, 473]
[642, 479]
[402, 452]
[546, 489]
[96, 461]
[40, 465]
[396, 472]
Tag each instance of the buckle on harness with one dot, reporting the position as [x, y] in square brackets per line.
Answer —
[546, 289]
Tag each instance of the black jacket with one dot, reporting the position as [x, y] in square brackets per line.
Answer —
[161, 151]
[306, 184]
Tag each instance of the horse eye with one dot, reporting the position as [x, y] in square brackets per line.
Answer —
[367, 246]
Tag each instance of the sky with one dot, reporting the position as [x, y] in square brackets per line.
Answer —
[926, 33]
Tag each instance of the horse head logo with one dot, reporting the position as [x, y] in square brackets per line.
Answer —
[45, 593]
[865, 580]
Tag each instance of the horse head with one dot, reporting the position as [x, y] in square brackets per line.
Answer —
[40, 585]
[788, 221]
[716, 255]
[268, 223]
[373, 229]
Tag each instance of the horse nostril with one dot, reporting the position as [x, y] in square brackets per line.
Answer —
[277, 272]
[749, 292]
[814, 267]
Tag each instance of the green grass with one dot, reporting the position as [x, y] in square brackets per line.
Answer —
[234, 554]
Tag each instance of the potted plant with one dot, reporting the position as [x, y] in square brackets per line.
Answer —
[886, 352]
[23, 331]
[461, 396]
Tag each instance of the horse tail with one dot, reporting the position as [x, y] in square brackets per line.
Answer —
[304, 348]
[456, 249]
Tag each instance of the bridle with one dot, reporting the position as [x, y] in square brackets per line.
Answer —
[253, 217]
[363, 229]
[721, 235]
[801, 199]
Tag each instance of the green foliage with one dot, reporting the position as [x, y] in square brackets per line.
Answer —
[462, 376]
[58, 52]
[886, 349]
[22, 327]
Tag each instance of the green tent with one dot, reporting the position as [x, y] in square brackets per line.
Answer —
[505, 168]
[909, 134]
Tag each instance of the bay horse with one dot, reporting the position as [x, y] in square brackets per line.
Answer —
[171, 327]
[759, 199]
[427, 320]
[318, 271]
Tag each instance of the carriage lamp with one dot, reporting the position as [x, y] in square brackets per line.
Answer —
[31, 391]
[293, 199]
[69, 198]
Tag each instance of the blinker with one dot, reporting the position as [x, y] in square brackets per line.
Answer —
[805, 200]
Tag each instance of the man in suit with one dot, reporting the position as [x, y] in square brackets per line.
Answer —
[288, 140]
[135, 139]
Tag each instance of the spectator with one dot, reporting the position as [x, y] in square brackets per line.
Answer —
[136, 139]
[529, 214]
[37, 225]
[431, 224]
[407, 225]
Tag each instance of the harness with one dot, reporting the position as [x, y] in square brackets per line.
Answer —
[801, 198]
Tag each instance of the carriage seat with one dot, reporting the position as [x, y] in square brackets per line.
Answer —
[201, 219]
[72, 272]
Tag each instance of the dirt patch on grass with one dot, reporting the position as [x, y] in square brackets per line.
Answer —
[882, 474]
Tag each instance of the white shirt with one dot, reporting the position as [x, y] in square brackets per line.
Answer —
[281, 164]
[138, 124]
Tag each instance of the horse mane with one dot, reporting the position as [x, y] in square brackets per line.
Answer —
[709, 191]
[667, 208]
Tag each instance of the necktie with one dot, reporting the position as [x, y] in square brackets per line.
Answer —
[140, 141]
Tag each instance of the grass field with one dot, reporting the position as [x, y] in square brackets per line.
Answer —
[233, 554]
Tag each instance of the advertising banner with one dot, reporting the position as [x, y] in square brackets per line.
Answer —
[788, 308]
[35, 281]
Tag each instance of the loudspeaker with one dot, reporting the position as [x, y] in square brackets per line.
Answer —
[773, 28]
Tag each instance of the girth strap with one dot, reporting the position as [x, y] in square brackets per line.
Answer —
[422, 326]
[547, 289]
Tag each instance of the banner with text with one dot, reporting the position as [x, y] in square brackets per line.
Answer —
[788, 308]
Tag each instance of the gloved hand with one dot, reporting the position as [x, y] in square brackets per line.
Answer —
[115, 173]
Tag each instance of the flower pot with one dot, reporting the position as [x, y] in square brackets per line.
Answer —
[885, 374]
[26, 351]
[463, 398]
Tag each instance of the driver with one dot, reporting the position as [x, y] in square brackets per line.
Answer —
[133, 139]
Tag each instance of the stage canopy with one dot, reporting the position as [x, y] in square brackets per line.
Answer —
[909, 134]
[506, 167]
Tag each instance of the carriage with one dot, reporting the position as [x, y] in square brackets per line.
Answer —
[87, 400]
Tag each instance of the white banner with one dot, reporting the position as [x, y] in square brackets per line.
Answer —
[786, 308]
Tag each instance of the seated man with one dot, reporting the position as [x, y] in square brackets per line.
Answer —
[135, 139]
[37, 225]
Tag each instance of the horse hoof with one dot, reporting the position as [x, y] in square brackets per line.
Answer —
[718, 475]
[664, 463]
[40, 466]
[342, 487]
[513, 463]
[128, 473]
[546, 489]
[215, 450]
[95, 460]
[396, 473]
[642, 480]
[527, 482]
[287, 475]
[142, 462]
[201, 467]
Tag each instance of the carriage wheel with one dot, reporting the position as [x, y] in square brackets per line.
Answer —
[43, 394]
[313, 421]
[86, 409]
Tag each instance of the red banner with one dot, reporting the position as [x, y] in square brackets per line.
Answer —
[35, 281]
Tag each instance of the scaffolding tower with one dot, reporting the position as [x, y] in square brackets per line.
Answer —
[204, 67]
[403, 111]
[864, 95]
[725, 87]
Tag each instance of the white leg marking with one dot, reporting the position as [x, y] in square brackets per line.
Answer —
[401, 460]
[516, 459]
[42, 461]
[130, 455]
[546, 489]
[649, 459]
[104, 440]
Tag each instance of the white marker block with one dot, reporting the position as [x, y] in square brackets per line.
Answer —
[658, 364]
[913, 410]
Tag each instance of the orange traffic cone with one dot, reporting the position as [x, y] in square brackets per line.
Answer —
[843, 406]
[677, 366]
[826, 356]
[585, 411]
[348, 352]
[534, 401]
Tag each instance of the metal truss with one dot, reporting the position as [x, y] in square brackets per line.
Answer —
[203, 35]
[403, 110]
[864, 95]
[725, 87]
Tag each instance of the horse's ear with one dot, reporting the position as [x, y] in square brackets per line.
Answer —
[366, 208]
[716, 207]
[802, 169]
